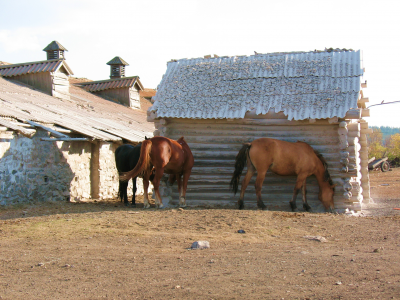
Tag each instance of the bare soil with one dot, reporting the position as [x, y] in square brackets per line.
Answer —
[106, 250]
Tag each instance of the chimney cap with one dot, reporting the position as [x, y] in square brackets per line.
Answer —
[54, 45]
[117, 61]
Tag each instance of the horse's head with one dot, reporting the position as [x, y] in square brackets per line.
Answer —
[326, 196]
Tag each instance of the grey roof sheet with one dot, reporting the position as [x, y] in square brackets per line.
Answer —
[85, 113]
[302, 85]
[34, 67]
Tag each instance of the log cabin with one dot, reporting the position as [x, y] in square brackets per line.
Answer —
[219, 103]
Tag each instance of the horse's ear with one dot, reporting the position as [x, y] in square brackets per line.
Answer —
[333, 186]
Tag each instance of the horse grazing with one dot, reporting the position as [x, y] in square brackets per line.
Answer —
[283, 158]
[126, 158]
[160, 155]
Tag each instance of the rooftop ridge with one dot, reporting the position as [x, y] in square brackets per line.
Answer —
[29, 63]
[326, 50]
[106, 80]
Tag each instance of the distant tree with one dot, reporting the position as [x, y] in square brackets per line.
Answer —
[386, 132]
[375, 145]
[393, 146]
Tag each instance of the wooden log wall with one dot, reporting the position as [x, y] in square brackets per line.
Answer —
[134, 98]
[60, 85]
[215, 144]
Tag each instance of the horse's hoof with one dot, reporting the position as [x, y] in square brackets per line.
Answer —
[262, 206]
[146, 206]
[161, 206]
[307, 208]
[126, 203]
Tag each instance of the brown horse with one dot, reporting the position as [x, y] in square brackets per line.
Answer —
[160, 155]
[283, 158]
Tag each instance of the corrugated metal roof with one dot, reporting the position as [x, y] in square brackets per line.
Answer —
[34, 67]
[302, 85]
[85, 113]
[96, 86]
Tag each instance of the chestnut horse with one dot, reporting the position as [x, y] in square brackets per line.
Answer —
[283, 158]
[160, 155]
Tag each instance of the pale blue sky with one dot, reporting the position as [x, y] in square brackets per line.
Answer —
[149, 33]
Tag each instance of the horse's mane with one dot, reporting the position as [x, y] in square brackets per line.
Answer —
[327, 176]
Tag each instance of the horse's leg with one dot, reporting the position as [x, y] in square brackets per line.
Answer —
[178, 178]
[156, 183]
[146, 195]
[299, 183]
[134, 192]
[305, 204]
[250, 172]
[258, 185]
[182, 199]
[123, 187]
[171, 179]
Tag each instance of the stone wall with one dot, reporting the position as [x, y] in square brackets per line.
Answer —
[34, 170]
[77, 156]
[108, 187]
[109, 182]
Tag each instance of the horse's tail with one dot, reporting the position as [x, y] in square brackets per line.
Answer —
[327, 176]
[241, 159]
[142, 165]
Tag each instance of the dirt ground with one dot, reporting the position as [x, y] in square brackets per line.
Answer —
[105, 250]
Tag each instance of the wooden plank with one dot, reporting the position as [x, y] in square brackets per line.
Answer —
[221, 147]
[365, 112]
[234, 127]
[270, 115]
[277, 122]
[363, 100]
[53, 132]
[265, 132]
[67, 139]
[60, 95]
[313, 141]
[354, 113]
[19, 129]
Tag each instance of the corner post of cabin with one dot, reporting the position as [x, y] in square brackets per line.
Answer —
[354, 149]
[364, 130]
[94, 170]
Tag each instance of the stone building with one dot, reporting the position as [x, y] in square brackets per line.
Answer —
[56, 147]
